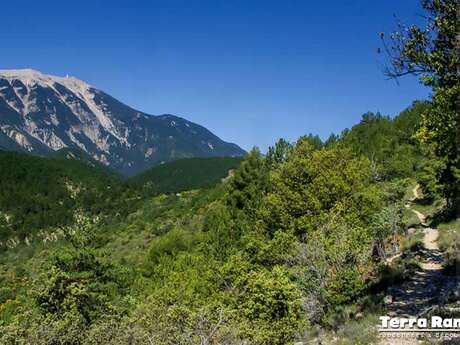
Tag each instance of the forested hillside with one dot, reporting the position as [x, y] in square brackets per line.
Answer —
[293, 239]
[37, 193]
[389, 144]
[186, 174]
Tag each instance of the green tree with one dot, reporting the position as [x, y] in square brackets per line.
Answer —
[269, 306]
[314, 182]
[248, 183]
[432, 53]
[278, 154]
[326, 198]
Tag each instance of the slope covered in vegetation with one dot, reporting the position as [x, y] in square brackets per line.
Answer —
[290, 240]
[37, 193]
[186, 174]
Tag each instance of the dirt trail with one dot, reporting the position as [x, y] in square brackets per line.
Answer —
[424, 288]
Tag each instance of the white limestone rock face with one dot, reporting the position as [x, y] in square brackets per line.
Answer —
[41, 114]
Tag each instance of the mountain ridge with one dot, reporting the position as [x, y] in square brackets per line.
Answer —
[41, 114]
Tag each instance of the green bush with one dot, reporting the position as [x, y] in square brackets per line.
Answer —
[172, 243]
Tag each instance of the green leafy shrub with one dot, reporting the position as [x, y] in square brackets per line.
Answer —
[172, 243]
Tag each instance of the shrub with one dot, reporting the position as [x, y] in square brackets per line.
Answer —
[170, 244]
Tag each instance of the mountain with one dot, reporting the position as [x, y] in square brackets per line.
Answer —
[81, 156]
[41, 114]
[186, 174]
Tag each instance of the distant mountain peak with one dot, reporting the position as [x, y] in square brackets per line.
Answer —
[21, 73]
[31, 76]
[41, 113]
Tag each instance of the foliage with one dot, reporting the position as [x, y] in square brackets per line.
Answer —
[39, 193]
[248, 184]
[270, 305]
[186, 174]
[388, 143]
[449, 242]
[172, 243]
[433, 54]
[278, 153]
[285, 241]
[313, 185]
[441, 129]
[325, 197]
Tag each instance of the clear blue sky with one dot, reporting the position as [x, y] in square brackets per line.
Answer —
[251, 71]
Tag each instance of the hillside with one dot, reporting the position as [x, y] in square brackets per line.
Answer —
[78, 154]
[40, 114]
[38, 193]
[239, 258]
[186, 174]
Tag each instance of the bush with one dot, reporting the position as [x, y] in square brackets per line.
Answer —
[170, 244]
[269, 306]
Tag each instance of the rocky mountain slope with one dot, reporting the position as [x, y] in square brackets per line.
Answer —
[41, 114]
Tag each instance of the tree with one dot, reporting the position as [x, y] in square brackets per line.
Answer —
[441, 129]
[429, 52]
[248, 183]
[432, 53]
[312, 184]
[326, 199]
[269, 306]
[74, 286]
[278, 154]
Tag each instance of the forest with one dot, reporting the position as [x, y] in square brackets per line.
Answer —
[292, 246]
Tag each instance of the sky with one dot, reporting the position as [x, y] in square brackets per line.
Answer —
[251, 71]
